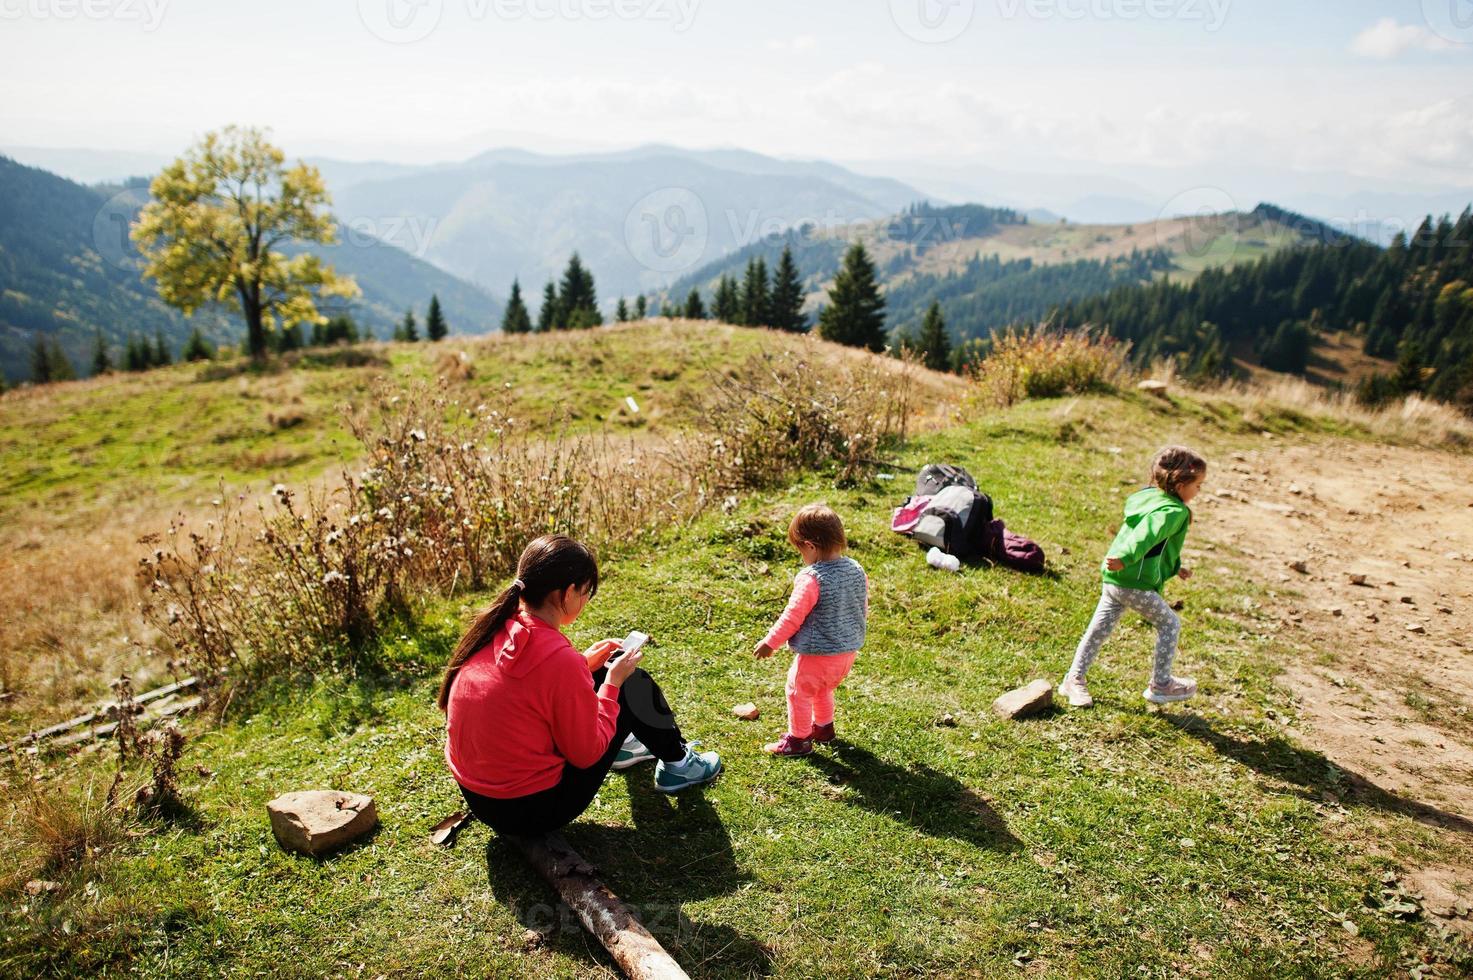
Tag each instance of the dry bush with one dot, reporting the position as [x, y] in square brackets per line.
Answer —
[1041, 363]
[1412, 420]
[54, 831]
[449, 496]
[790, 410]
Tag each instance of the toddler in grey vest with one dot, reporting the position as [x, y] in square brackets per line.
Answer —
[824, 624]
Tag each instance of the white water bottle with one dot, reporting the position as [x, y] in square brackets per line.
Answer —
[937, 558]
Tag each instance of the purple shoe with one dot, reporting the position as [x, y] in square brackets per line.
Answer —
[790, 745]
[823, 733]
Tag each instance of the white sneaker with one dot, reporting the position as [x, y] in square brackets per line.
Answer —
[1075, 690]
[632, 753]
[1177, 689]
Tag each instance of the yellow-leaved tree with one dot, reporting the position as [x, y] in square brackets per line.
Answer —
[213, 227]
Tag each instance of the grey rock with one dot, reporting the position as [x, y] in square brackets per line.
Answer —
[1025, 701]
[314, 822]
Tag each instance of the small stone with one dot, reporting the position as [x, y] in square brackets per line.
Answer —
[1373, 617]
[1409, 600]
[1025, 701]
[1356, 578]
[1336, 611]
[1416, 628]
[1445, 610]
[948, 720]
[746, 712]
[38, 887]
[313, 822]
[1153, 387]
[1301, 566]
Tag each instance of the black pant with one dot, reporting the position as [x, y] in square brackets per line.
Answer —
[643, 713]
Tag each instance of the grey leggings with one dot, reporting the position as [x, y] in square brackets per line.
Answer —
[1113, 601]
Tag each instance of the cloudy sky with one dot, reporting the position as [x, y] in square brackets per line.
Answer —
[1383, 90]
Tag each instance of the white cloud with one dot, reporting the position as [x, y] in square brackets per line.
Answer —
[1387, 39]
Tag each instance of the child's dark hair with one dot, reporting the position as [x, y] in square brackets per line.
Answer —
[819, 526]
[550, 564]
[1174, 467]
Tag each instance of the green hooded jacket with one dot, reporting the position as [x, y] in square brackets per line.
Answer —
[1150, 540]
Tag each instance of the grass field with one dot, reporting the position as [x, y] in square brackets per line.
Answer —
[89, 468]
[1124, 841]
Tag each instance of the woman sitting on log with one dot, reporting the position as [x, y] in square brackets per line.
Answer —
[534, 725]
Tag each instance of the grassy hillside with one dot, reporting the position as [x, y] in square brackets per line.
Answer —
[69, 269]
[1123, 841]
[88, 468]
[992, 267]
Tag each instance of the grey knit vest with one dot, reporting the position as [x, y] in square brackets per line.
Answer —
[836, 623]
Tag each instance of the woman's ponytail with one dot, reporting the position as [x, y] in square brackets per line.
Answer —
[549, 564]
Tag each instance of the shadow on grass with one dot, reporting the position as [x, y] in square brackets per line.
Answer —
[1315, 774]
[931, 801]
[677, 851]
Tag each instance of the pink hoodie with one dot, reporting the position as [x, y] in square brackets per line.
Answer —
[521, 707]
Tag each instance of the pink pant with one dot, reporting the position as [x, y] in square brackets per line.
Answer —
[812, 681]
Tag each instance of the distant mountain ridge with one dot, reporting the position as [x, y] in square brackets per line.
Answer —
[992, 267]
[68, 269]
[638, 218]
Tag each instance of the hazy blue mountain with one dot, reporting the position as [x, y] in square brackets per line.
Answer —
[639, 218]
[87, 166]
[67, 268]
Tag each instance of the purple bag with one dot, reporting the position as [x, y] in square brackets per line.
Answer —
[1013, 550]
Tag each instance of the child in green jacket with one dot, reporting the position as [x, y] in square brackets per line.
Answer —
[1145, 554]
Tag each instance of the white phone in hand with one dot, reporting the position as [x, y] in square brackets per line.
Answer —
[632, 643]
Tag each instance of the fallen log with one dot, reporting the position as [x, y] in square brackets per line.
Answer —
[638, 953]
[106, 710]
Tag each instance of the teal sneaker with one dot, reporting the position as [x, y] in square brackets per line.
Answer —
[698, 770]
[632, 753]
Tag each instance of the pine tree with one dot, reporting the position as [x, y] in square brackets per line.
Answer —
[694, 308]
[161, 356]
[755, 312]
[288, 338]
[435, 326]
[577, 298]
[516, 319]
[40, 361]
[549, 317]
[196, 348]
[787, 295]
[135, 356]
[101, 362]
[621, 311]
[933, 344]
[641, 307]
[409, 328]
[727, 306]
[855, 314]
[61, 365]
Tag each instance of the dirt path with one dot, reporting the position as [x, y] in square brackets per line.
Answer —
[1369, 550]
